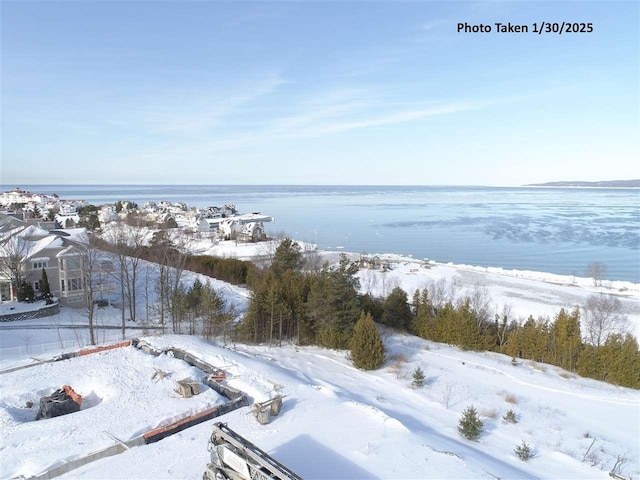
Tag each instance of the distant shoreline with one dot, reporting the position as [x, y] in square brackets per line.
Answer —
[635, 183]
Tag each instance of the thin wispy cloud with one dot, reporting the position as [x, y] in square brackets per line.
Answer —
[195, 112]
[347, 113]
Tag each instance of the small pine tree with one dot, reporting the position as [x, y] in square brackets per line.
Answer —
[418, 377]
[25, 292]
[45, 289]
[510, 417]
[523, 451]
[470, 425]
[367, 349]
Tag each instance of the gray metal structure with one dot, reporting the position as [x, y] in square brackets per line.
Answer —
[235, 458]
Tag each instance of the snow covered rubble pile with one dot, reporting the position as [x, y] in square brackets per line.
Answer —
[119, 399]
[339, 422]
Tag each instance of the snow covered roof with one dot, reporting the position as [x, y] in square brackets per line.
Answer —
[35, 247]
[33, 232]
[67, 252]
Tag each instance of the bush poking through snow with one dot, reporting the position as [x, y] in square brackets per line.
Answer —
[396, 365]
[489, 413]
[523, 451]
[510, 417]
[510, 398]
[470, 425]
[418, 378]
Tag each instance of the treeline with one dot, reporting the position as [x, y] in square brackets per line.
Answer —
[322, 307]
[558, 342]
[230, 270]
[294, 301]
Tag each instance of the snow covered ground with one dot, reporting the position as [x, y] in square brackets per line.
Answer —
[525, 292]
[337, 421]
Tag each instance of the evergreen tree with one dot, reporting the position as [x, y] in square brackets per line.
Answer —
[510, 417]
[288, 256]
[622, 360]
[372, 305]
[396, 311]
[523, 451]
[567, 339]
[45, 289]
[418, 377]
[424, 322]
[332, 306]
[367, 350]
[470, 426]
[25, 292]
[89, 221]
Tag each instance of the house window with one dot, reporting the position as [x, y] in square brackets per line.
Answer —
[62, 284]
[73, 263]
[74, 284]
[36, 286]
[40, 265]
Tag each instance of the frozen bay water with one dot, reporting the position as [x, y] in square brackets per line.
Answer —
[556, 230]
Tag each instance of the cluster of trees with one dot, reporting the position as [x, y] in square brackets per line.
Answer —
[135, 261]
[605, 353]
[203, 310]
[308, 306]
[292, 300]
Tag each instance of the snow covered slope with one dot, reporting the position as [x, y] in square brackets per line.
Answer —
[340, 422]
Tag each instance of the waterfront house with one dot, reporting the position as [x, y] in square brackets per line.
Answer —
[27, 250]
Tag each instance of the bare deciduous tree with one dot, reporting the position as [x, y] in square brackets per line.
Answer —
[602, 317]
[440, 292]
[127, 242]
[89, 258]
[388, 284]
[13, 251]
[311, 257]
[596, 271]
[369, 280]
[480, 304]
[503, 321]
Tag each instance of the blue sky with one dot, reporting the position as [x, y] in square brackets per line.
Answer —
[307, 92]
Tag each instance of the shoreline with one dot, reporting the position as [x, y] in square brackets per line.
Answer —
[622, 288]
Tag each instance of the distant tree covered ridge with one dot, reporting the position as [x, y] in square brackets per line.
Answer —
[602, 184]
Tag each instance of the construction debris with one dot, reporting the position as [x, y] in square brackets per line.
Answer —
[61, 402]
[160, 375]
[263, 411]
[188, 387]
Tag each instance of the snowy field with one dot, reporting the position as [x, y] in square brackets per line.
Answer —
[337, 421]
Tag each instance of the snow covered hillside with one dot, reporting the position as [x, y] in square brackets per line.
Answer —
[337, 421]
